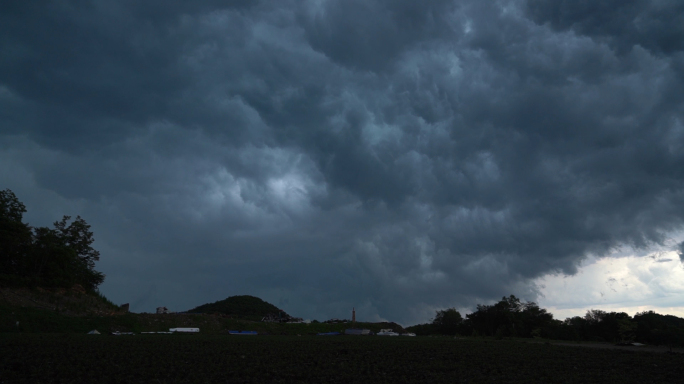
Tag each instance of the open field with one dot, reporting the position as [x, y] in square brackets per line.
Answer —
[71, 358]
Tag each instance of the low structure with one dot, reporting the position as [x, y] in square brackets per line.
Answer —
[161, 310]
[357, 332]
[336, 321]
[184, 330]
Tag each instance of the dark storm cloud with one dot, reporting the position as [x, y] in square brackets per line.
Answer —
[383, 154]
[655, 25]
[371, 35]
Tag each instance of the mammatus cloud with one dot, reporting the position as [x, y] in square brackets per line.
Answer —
[326, 154]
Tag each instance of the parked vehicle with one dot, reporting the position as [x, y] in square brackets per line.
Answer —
[387, 332]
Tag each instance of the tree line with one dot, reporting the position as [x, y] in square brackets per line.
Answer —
[512, 317]
[58, 257]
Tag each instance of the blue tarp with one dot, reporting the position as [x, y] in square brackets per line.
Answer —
[242, 332]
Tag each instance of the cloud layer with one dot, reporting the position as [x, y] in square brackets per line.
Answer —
[389, 155]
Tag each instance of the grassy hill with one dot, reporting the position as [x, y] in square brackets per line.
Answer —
[239, 307]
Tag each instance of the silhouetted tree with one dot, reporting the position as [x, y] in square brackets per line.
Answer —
[603, 326]
[627, 330]
[59, 257]
[654, 328]
[52, 263]
[447, 322]
[15, 239]
[513, 317]
[422, 329]
[509, 317]
[78, 237]
[10, 207]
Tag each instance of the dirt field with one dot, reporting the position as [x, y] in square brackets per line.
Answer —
[52, 358]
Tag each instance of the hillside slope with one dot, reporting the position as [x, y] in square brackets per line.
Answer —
[75, 301]
[243, 307]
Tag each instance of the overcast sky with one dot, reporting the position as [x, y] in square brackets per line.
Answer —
[395, 156]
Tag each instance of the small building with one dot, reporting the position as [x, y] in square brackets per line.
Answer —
[184, 330]
[161, 310]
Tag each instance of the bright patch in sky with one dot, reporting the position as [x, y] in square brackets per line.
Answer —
[631, 284]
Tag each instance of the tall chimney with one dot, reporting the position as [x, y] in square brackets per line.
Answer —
[353, 315]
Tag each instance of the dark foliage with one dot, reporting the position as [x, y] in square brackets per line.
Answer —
[512, 317]
[509, 317]
[45, 257]
[422, 329]
[653, 328]
[448, 322]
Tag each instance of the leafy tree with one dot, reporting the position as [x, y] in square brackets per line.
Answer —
[594, 316]
[56, 263]
[15, 239]
[509, 317]
[532, 320]
[654, 328]
[627, 330]
[52, 263]
[602, 325]
[513, 317]
[10, 207]
[422, 329]
[59, 257]
[447, 321]
[497, 319]
[78, 236]
[574, 328]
